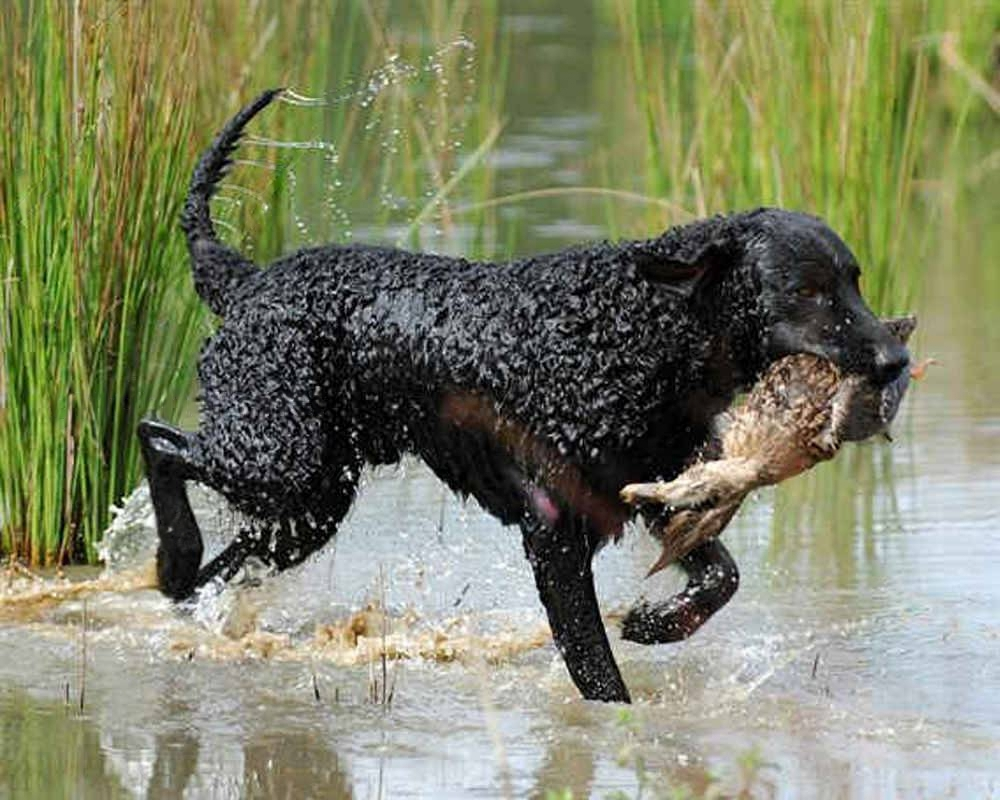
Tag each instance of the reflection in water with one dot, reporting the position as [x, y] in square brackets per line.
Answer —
[174, 765]
[295, 765]
[568, 765]
[47, 750]
[826, 525]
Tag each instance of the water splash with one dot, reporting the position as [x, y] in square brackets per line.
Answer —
[400, 100]
[293, 98]
[131, 536]
[27, 597]
[394, 72]
[287, 144]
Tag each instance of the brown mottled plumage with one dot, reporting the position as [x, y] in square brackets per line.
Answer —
[798, 414]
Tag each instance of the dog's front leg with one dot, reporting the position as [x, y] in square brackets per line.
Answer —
[560, 555]
[713, 579]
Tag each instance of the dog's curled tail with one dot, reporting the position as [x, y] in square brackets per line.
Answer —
[218, 269]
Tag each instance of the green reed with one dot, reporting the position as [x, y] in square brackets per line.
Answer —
[104, 107]
[93, 328]
[815, 106]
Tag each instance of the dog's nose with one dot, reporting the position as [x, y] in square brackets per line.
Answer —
[889, 363]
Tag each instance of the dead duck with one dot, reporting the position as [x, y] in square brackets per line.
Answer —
[798, 414]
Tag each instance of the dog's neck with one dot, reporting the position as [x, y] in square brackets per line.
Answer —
[738, 352]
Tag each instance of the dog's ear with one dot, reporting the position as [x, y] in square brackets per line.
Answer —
[685, 270]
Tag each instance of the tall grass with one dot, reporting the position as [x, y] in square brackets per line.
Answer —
[104, 106]
[810, 105]
[92, 267]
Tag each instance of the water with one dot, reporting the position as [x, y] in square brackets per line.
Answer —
[860, 656]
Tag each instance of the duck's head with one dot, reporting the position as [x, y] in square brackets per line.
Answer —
[862, 407]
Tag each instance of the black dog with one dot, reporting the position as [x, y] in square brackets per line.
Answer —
[539, 386]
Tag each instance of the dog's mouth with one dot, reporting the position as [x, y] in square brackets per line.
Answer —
[880, 359]
[867, 402]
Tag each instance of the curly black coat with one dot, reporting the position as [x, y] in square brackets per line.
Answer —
[539, 386]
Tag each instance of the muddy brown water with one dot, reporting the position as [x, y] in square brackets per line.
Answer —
[861, 656]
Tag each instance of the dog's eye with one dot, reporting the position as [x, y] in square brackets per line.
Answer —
[808, 292]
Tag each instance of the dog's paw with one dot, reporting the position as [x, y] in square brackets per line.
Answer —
[661, 623]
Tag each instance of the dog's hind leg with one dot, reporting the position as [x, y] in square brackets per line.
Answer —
[178, 555]
[713, 579]
[560, 555]
[312, 529]
[270, 443]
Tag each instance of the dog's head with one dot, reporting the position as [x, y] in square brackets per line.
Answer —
[811, 301]
[784, 283]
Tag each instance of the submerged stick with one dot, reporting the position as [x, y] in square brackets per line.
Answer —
[83, 655]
